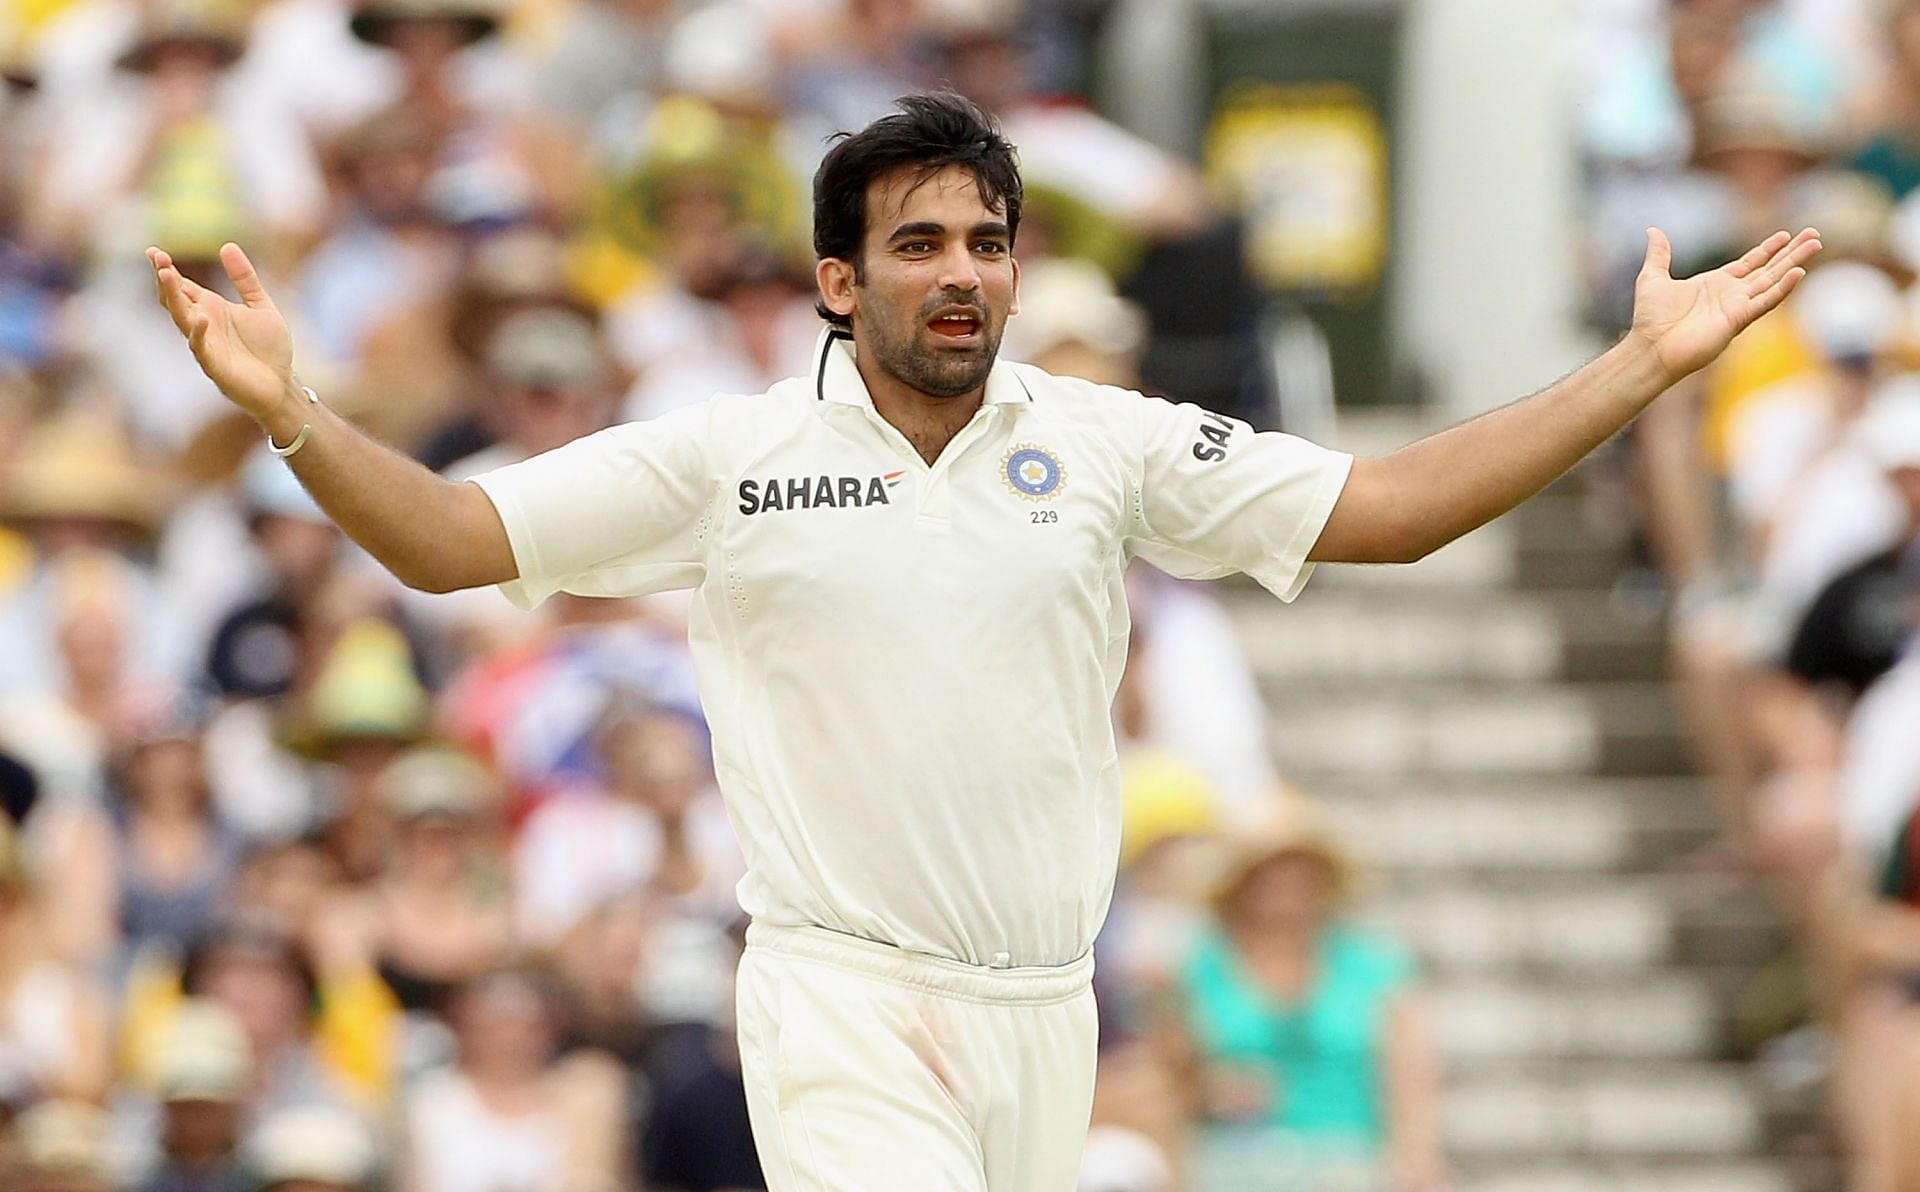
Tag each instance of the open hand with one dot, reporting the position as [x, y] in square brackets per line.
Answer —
[243, 347]
[1689, 322]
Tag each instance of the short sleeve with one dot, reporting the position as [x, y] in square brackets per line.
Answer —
[1217, 497]
[618, 513]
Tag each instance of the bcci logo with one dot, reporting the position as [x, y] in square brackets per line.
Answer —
[1033, 473]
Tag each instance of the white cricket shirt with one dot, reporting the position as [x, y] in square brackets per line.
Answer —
[908, 668]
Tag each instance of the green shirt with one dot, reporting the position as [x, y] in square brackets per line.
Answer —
[1320, 1054]
[1893, 160]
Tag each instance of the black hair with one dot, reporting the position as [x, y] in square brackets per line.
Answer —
[929, 133]
[255, 940]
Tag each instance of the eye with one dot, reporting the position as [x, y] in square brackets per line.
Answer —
[917, 246]
[991, 247]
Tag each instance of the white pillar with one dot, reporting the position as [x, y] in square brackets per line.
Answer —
[1488, 291]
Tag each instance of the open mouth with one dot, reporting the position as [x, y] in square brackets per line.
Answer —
[961, 326]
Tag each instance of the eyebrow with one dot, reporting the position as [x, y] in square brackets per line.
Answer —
[993, 229]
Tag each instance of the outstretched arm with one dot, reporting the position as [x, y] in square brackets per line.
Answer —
[1403, 506]
[433, 535]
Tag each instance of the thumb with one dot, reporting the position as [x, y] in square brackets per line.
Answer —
[1659, 254]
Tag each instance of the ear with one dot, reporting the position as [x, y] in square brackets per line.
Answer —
[836, 281]
[1014, 309]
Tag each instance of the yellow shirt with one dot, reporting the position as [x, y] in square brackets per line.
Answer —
[1771, 351]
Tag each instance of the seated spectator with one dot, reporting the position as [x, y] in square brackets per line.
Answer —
[709, 213]
[156, 862]
[314, 1150]
[1305, 1027]
[697, 1137]
[53, 1023]
[313, 1038]
[1891, 150]
[536, 709]
[1849, 314]
[58, 1146]
[509, 1113]
[1852, 633]
[203, 1074]
[1192, 689]
[419, 367]
[1170, 818]
[658, 825]
[1074, 323]
[602, 61]
[549, 381]
[1646, 109]
[82, 493]
[844, 61]
[1863, 628]
[438, 914]
[363, 707]
[288, 885]
[756, 326]
[388, 247]
[493, 163]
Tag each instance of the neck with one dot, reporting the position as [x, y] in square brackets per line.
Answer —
[928, 422]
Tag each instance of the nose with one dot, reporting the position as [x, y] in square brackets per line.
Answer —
[958, 269]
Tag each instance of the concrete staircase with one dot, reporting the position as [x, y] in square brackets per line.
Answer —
[1492, 727]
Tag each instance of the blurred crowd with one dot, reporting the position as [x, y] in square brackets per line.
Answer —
[1780, 494]
[314, 883]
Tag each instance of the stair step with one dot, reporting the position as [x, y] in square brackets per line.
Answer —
[1597, 831]
[1755, 1176]
[1689, 1110]
[1341, 642]
[1619, 926]
[1603, 728]
[1464, 728]
[1551, 731]
[1655, 1017]
[1358, 638]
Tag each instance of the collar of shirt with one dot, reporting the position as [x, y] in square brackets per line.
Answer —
[836, 378]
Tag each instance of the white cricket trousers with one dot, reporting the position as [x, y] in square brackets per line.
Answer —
[872, 1069]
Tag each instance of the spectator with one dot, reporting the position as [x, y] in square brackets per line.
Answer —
[698, 1138]
[389, 248]
[1891, 152]
[420, 367]
[658, 826]
[204, 1073]
[314, 1150]
[550, 382]
[510, 1113]
[1306, 1027]
[165, 859]
[1073, 322]
[491, 167]
[58, 1146]
[53, 1022]
[306, 1040]
[438, 914]
[363, 707]
[89, 503]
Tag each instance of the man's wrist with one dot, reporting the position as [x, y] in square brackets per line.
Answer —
[289, 414]
[290, 423]
[1640, 366]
